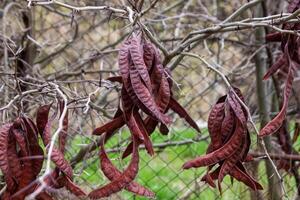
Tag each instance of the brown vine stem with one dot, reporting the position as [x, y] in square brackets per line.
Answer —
[250, 120]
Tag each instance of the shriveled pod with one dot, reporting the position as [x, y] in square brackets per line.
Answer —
[177, 108]
[276, 123]
[113, 125]
[122, 181]
[4, 162]
[112, 173]
[148, 55]
[69, 185]
[229, 163]
[136, 51]
[214, 125]
[220, 154]
[146, 98]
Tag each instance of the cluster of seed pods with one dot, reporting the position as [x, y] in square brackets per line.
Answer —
[230, 142]
[21, 157]
[287, 64]
[146, 97]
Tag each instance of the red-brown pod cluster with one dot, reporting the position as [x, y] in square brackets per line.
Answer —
[18, 143]
[287, 64]
[146, 88]
[230, 142]
[21, 157]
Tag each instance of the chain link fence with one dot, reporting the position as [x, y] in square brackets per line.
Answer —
[78, 50]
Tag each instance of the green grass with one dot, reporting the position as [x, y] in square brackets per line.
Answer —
[162, 173]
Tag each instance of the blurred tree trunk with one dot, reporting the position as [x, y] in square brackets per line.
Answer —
[275, 192]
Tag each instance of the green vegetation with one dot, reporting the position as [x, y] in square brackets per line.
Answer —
[162, 173]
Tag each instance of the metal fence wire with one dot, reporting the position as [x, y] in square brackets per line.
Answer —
[78, 50]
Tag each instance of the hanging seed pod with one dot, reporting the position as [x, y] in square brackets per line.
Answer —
[230, 142]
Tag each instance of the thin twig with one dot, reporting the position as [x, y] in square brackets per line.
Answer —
[76, 8]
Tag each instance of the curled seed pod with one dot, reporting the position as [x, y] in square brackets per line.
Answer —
[136, 51]
[124, 61]
[141, 126]
[148, 55]
[293, 6]
[164, 95]
[20, 137]
[122, 181]
[69, 185]
[231, 162]
[274, 68]
[58, 158]
[4, 162]
[145, 97]
[240, 174]
[236, 107]
[111, 132]
[228, 123]
[136, 126]
[13, 159]
[42, 117]
[176, 107]
[44, 196]
[110, 126]
[112, 173]
[276, 123]
[210, 177]
[31, 133]
[220, 154]
[150, 125]
[214, 125]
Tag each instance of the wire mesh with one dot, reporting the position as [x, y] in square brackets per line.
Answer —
[79, 51]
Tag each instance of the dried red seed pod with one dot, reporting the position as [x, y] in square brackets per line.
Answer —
[136, 52]
[122, 181]
[281, 62]
[214, 125]
[276, 123]
[42, 117]
[146, 98]
[113, 125]
[176, 107]
[4, 162]
[220, 154]
[293, 6]
[43, 196]
[112, 173]
[230, 142]
[69, 185]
